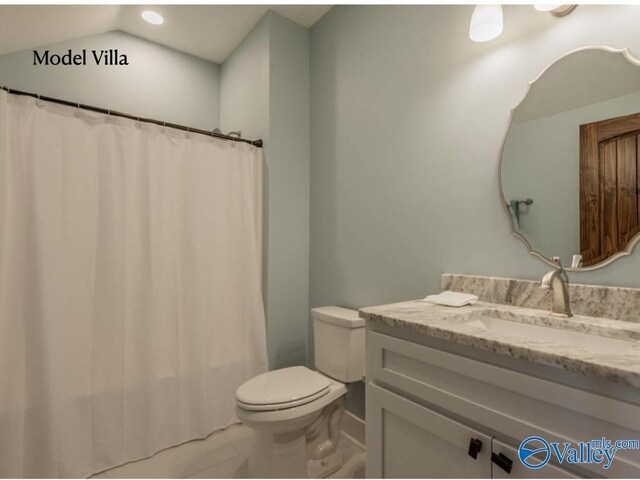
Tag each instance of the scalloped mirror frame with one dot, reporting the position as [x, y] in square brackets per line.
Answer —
[626, 53]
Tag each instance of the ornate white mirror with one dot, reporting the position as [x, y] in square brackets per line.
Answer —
[570, 163]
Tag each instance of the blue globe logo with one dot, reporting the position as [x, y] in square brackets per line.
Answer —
[534, 452]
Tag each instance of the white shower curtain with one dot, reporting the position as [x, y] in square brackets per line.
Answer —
[130, 292]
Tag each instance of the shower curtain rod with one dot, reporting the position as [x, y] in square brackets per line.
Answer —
[255, 143]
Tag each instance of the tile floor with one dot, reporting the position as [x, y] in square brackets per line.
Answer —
[223, 454]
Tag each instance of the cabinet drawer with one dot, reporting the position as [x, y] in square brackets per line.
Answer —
[407, 440]
[512, 404]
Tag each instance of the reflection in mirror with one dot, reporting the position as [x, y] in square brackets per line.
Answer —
[570, 162]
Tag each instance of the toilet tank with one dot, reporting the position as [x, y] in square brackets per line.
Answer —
[338, 338]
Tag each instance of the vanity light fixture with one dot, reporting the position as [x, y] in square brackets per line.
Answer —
[154, 18]
[545, 8]
[486, 23]
[557, 10]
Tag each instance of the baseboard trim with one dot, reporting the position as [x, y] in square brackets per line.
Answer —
[354, 428]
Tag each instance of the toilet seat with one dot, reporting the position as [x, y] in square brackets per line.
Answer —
[282, 389]
[275, 419]
[280, 406]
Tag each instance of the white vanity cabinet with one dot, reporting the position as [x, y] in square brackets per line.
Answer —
[429, 405]
[417, 440]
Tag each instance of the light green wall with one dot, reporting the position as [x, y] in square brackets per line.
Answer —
[159, 82]
[265, 89]
[541, 161]
[407, 120]
[288, 164]
[244, 85]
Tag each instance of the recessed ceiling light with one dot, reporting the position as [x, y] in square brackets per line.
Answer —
[154, 18]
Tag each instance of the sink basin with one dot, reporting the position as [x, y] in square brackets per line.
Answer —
[498, 322]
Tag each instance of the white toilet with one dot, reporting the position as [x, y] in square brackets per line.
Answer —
[295, 412]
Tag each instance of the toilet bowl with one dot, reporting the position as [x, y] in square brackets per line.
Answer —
[280, 428]
[296, 412]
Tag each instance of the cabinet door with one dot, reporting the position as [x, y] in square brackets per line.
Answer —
[518, 470]
[407, 440]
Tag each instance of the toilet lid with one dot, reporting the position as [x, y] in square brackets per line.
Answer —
[283, 386]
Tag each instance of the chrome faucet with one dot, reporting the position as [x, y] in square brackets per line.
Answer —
[557, 279]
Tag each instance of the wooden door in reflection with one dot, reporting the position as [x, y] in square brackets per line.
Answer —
[609, 186]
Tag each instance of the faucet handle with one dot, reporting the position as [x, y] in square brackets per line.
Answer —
[560, 268]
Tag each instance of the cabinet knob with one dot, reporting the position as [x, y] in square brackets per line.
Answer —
[501, 460]
[475, 445]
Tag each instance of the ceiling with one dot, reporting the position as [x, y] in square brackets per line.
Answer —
[206, 31]
[580, 79]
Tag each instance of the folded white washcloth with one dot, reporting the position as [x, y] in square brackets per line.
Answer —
[452, 299]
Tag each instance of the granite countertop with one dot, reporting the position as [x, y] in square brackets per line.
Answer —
[621, 365]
